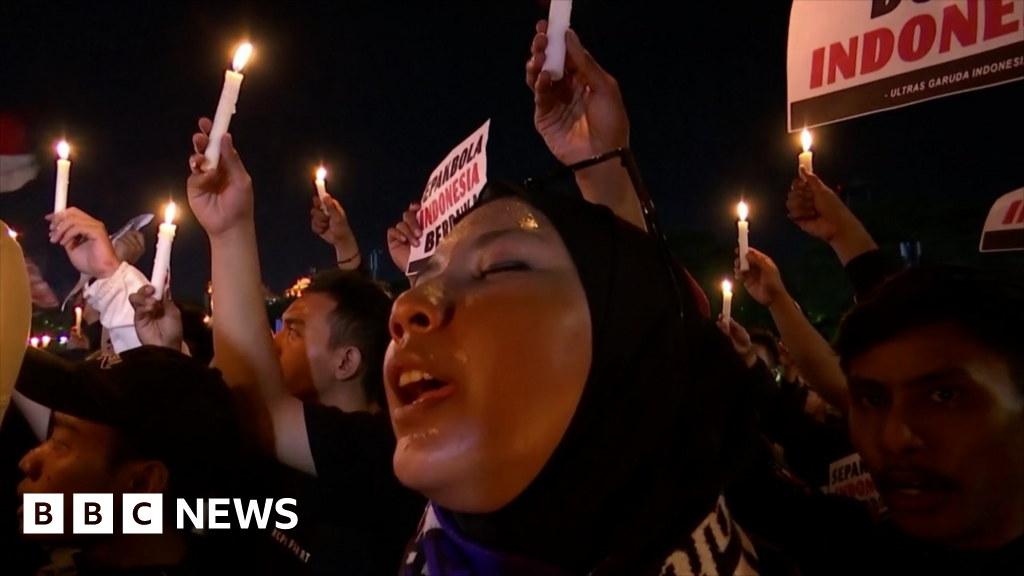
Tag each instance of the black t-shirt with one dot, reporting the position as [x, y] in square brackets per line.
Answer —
[353, 517]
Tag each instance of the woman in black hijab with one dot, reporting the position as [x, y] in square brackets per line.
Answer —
[551, 403]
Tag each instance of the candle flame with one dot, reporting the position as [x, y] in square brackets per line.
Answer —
[321, 173]
[46, 341]
[741, 208]
[78, 309]
[12, 233]
[63, 150]
[805, 139]
[241, 57]
[726, 287]
[34, 341]
[169, 213]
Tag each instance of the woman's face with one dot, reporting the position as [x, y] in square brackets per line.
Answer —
[490, 352]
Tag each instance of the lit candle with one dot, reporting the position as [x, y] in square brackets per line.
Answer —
[226, 106]
[807, 157]
[60, 195]
[34, 342]
[78, 319]
[45, 340]
[744, 228]
[726, 301]
[162, 264]
[321, 187]
[12, 233]
[558, 24]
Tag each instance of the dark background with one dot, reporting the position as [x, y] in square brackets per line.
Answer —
[381, 90]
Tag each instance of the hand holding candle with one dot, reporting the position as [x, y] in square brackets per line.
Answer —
[162, 263]
[558, 24]
[60, 194]
[226, 107]
[726, 301]
[321, 187]
[744, 236]
[807, 157]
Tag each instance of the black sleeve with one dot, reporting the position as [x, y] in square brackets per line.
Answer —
[351, 451]
[870, 269]
[762, 383]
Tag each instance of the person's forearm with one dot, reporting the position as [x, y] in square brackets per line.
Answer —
[812, 354]
[608, 184]
[852, 240]
[243, 347]
[349, 258]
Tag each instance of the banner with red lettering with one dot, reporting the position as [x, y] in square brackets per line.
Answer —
[453, 188]
[849, 58]
[850, 477]
[1004, 227]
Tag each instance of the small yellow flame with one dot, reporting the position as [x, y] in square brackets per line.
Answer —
[169, 213]
[726, 287]
[34, 342]
[321, 174]
[78, 310]
[12, 233]
[45, 341]
[63, 150]
[241, 57]
[742, 210]
[805, 139]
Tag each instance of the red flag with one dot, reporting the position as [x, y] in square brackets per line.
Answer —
[17, 165]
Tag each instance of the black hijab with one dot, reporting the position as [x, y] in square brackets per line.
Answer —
[662, 425]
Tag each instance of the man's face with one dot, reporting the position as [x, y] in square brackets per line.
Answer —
[76, 458]
[940, 425]
[304, 344]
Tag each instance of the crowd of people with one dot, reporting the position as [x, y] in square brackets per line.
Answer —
[552, 394]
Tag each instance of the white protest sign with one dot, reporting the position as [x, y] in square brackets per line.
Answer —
[453, 188]
[850, 477]
[849, 58]
[1004, 227]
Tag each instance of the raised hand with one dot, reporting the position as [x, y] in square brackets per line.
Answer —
[86, 241]
[404, 235]
[157, 323]
[582, 115]
[816, 209]
[763, 281]
[740, 340]
[334, 229]
[130, 246]
[222, 199]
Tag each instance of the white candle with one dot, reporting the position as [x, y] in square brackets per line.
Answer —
[558, 24]
[321, 187]
[226, 107]
[78, 319]
[744, 229]
[726, 301]
[807, 157]
[162, 264]
[60, 193]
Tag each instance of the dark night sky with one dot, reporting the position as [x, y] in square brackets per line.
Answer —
[381, 90]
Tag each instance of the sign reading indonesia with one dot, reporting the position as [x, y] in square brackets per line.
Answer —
[452, 189]
[849, 58]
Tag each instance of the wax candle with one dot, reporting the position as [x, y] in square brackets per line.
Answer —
[60, 194]
[321, 187]
[226, 107]
[726, 301]
[744, 230]
[78, 319]
[162, 264]
[558, 24]
[807, 157]
[45, 340]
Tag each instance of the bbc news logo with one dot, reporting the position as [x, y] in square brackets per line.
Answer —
[144, 513]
